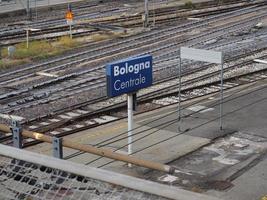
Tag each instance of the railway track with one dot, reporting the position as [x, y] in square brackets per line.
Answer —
[26, 98]
[62, 116]
[81, 119]
[15, 32]
[47, 28]
[136, 40]
[39, 96]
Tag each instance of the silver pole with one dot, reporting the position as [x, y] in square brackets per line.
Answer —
[28, 9]
[36, 10]
[70, 32]
[146, 13]
[27, 37]
[221, 99]
[130, 124]
[179, 93]
[154, 14]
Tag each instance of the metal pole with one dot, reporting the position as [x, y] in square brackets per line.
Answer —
[146, 13]
[154, 14]
[0, 51]
[179, 93]
[27, 37]
[28, 9]
[17, 136]
[57, 147]
[221, 99]
[36, 10]
[130, 123]
[102, 175]
[70, 32]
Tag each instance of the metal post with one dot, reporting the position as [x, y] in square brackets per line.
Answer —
[57, 147]
[28, 9]
[70, 32]
[146, 13]
[35, 10]
[221, 99]
[179, 93]
[154, 14]
[27, 37]
[0, 51]
[130, 123]
[17, 136]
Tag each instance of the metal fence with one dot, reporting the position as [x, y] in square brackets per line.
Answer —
[27, 175]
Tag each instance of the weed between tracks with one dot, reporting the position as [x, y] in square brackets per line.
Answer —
[37, 50]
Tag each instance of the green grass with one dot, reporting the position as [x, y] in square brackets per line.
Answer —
[66, 42]
[37, 50]
[5, 63]
[189, 5]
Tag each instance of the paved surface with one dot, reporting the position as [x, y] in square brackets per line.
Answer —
[249, 120]
[252, 185]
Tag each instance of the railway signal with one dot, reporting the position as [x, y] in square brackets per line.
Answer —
[69, 18]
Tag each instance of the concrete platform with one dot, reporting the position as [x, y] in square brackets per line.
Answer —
[250, 119]
[246, 112]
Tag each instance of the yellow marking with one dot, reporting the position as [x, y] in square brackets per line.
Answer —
[155, 116]
[264, 198]
[37, 135]
[105, 131]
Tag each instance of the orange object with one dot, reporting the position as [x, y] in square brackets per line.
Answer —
[69, 15]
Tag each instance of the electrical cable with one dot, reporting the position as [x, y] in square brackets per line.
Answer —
[174, 121]
[185, 116]
[100, 144]
[190, 129]
[114, 137]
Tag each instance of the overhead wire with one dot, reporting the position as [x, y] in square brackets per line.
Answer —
[172, 122]
[195, 112]
[101, 144]
[189, 129]
[123, 133]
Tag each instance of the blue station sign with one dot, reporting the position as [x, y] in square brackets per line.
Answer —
[130, 75]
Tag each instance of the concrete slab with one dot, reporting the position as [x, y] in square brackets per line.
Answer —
[200, 129]
[250, 185]
[177, 147]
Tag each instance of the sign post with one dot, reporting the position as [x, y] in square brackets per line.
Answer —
[127, 77]
[69, 18]
[130, 123]
[146, 14]
[27, 37]
[204, 56]
[28, 30]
